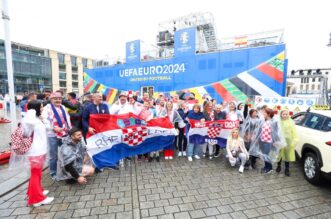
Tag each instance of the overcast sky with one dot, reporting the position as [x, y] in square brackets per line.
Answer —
[100, 28]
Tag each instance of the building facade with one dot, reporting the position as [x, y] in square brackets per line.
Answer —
[67, 71]
[32, 68]
[308, 81]
[37, 69]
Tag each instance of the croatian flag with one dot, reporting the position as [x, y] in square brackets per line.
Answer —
[120, 136]
[212, 132]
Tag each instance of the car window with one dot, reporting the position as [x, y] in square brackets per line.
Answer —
[299, 118]
[314, 121]
[327, 125]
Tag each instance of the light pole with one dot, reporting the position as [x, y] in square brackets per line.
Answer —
[9, 61]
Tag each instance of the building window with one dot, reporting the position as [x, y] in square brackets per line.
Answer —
[74, 84]
[63, 84]
[313, 87]
[319, 87]
[60, 58]
[73, 60]
[302, 81]
[75, 77]
[62, 76]
[313, 79]
[74, 69]
[307, 87]
[319, 79]
[84, 63]
[301, 86]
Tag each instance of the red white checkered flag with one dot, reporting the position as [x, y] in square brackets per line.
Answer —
[135, 135]
[214, 130]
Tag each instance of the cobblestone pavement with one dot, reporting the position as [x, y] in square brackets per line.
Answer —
[178, 189]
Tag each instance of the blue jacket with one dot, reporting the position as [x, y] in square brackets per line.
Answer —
[92, 109]
[196, 116]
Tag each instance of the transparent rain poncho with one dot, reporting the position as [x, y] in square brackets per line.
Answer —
[37, 154]
[267, 151]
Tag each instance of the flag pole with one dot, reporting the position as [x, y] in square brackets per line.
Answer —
[10, 74]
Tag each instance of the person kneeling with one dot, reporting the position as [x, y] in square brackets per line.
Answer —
[236, 151]
[71, 159]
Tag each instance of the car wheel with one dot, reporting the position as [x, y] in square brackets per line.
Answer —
[311, 168]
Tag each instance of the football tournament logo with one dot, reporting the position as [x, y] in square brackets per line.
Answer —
[184, 38]
[132, 48]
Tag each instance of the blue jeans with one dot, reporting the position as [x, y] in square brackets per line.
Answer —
[193, 149]
[266, 147]
[54, 144]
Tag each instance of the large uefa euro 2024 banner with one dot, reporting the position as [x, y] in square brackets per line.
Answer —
[225, 75]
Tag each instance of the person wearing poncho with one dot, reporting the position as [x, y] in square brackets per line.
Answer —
[72, 158]
[290, 134]
[267, 140]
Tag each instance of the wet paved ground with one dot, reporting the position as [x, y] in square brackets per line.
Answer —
[5, 131]
[178, 189]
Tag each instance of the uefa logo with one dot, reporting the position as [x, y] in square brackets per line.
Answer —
[132, 48]
[184, 37]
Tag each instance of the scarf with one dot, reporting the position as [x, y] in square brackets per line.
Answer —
[57, 121]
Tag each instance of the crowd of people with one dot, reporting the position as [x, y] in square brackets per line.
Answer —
[59, 125]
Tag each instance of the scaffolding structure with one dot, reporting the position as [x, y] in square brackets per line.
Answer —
[203, 22]
[206, 38]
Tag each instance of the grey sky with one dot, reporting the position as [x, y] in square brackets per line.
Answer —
[101, 27]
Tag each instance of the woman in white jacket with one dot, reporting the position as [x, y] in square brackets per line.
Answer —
[236, 151]
[33, 125]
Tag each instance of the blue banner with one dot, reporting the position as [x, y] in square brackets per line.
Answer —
[190, 71]
[133, 51]
[185, 42]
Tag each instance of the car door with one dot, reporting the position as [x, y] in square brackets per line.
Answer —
[299, 119]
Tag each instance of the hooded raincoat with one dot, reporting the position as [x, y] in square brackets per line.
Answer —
[290, 134]
[68, 153]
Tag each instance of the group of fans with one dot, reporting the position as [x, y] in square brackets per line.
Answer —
[59, 125]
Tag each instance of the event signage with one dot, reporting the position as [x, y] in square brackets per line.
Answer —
[152, 70]
[185, 42]
[133, 51]
[289, 103]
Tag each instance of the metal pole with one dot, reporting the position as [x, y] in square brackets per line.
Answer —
[5, 17]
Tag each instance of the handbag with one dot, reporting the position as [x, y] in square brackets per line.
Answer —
[20, 144]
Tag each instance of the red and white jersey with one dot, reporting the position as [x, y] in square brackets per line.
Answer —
[266, 132]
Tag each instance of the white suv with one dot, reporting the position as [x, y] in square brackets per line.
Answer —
[314, 147]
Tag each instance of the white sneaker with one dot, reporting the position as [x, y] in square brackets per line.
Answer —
[189, 158]
[46, 201]
[166, 158]
[171, 157]
[45, 192]
[184, 153]
[180, 154]
[241, 169]
[197, 157]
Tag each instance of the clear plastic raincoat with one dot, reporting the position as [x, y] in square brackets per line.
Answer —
[267, 147]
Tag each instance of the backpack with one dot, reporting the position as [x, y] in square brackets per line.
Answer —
[20, 144]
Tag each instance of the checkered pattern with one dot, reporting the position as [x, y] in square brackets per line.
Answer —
[266, 133]
[214, 131]
[134, 136]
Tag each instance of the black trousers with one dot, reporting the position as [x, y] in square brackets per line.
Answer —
[181, 140]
